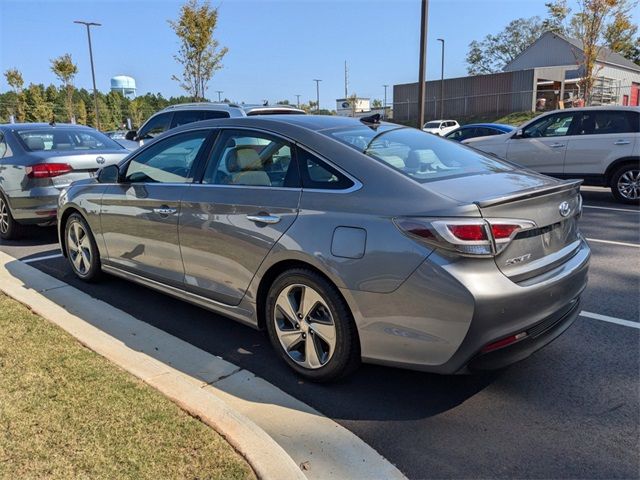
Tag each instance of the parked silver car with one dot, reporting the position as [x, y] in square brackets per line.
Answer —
[345, 239]
[37, 160]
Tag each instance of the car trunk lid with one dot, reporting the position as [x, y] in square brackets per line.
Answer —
[84, 165]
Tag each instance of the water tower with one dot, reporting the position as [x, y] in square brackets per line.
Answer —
[123, 84]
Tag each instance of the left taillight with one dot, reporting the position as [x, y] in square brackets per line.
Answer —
[48, 170]
[472, 237]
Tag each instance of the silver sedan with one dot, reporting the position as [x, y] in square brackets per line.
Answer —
[37, 161]
[346, 240]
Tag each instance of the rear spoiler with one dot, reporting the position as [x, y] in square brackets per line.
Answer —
[530, 193]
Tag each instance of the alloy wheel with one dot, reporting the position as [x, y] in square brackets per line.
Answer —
[629, 184]
[79, 247]
[4, 216]
[305, 326]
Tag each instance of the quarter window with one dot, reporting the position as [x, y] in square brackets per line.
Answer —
[170, 161]
[252, 159]
[317, 174]
[608, 121]
[557, 125]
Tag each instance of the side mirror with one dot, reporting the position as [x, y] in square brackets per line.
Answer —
[109, 174]
[131, 135]
[519, 134]
[441, 127]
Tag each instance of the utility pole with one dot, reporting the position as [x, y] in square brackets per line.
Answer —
[317, 92]
[442, 81]
[298, 97]
[219, 92]
[424, 18]
[384, 105]
[93, 73]
[346, 81]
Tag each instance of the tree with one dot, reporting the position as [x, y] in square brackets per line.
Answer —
[282, 102]
[557, 12]
[353, 103]
[619, 36]
[14, 79]
[38, 110]
[16, 82]
[199, 54]
[64, 68]
[81, 109]
[377, 103]
[598, 21]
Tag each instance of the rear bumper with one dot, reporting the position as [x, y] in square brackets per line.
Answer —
[442, 317]
[35, 207]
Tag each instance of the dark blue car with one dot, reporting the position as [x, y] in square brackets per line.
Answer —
[479, 130]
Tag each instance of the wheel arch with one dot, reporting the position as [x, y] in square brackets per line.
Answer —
[615, 165]
[70, 210]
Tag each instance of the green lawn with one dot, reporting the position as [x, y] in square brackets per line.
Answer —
[66, 412]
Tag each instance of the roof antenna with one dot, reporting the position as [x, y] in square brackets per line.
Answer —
[53, 120]
[375, 118]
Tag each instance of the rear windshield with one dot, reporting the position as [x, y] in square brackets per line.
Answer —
[432, 125]
[419, 155]
[65, 139]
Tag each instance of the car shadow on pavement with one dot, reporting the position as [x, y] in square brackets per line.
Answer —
[33, 237]
[371, 393]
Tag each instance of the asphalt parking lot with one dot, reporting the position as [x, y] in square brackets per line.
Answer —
[569, 411]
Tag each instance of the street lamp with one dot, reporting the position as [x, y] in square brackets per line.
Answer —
[424, 18]
[93, 73]
[219, 92]
[317, 93]
[442, 80]
[384, 105]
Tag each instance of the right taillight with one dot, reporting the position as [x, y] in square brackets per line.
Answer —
[47, 170]
[473, 237]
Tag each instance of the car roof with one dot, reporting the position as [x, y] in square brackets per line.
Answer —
[39, 126]
[202, 106]
[599, 107]
[499, 126]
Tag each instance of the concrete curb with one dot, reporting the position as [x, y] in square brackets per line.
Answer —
[258, 419]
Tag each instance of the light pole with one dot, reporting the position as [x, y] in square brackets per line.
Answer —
[317, 93]
[93, 73]
[219, 92]
[424, 18]
[384, 105]
[298, 97]
[442, 80]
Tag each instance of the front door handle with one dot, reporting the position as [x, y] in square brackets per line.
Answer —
[557, 145]
[266, 218]
[164, 211]
[622, 142]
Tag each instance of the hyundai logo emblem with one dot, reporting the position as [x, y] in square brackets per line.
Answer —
[100, 160]
[565, 209]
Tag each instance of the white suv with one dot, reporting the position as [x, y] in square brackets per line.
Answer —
[598, 144]
[440, 127]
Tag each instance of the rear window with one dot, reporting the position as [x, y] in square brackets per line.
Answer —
[419, 155]
[66, 139]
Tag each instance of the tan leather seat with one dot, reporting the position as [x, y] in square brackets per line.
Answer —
[245, 167]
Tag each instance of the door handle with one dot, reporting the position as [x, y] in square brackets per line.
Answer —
[264, 218]
[622, 142]
[556, 145]
[164, 211]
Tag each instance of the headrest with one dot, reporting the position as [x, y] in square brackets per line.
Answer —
[241, 159]
[35, 143]
[421, 157]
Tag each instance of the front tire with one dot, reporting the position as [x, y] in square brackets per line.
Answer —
[82, 251]
[625, 184]
[9, 228]
[311, 327]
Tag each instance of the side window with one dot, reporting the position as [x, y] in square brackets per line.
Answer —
[317, 174]
[3, 146]
[252, 159]
[186, 116]
[212, 114]
[608, 121]
[557, 125]
[155, 126]
[485, 132]
[170, 161]
[462, 134]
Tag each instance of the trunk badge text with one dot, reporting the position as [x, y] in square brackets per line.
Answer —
[520, 259]
[100, 160]
[565, 209]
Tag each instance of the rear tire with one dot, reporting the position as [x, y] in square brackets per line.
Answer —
[81, 249]
[9, 228]
[317, 338]
[625, 184]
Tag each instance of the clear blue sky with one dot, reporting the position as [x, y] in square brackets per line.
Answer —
[276, 47]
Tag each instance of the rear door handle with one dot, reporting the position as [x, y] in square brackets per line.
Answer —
[556, 145]
[622, 142]
[264, 218]
[165, 211]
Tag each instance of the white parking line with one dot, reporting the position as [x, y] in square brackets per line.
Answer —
[606, 318]
[37, 259]
[611, 242]
[611, 208]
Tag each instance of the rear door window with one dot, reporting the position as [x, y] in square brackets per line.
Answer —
[186, 116]
[212, 114]
[155, 126]
[601, 122]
